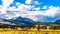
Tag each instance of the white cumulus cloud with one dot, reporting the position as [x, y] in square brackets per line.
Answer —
[28, 1]
[5, 4]
[52, 11]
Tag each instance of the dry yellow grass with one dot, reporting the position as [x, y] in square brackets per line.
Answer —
[29, 31]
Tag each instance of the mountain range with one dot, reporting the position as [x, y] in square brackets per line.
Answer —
[24, 21]
[20, 21]
[57, 21]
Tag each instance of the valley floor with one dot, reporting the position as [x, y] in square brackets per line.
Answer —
[39, 29]
[42, 31]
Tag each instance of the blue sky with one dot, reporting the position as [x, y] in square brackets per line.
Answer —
[38, 10]
[51, 2]
[44, 2]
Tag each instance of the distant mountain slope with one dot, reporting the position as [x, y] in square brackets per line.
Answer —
[24, 20]
[20, 20]
[57, 21]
